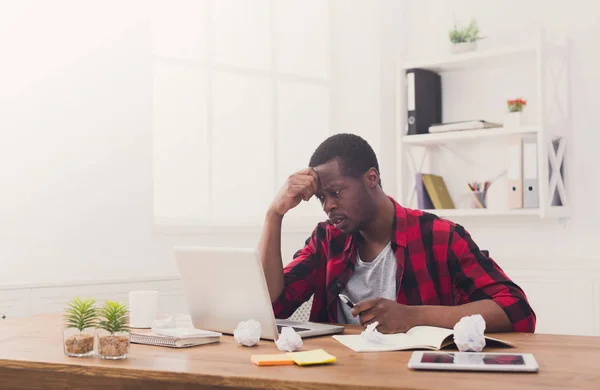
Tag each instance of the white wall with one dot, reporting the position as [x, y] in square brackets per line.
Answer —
[76, 119]
[557, 263]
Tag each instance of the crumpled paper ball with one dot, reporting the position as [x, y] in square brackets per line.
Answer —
[372, 334]
[171, 321]
[163, 321]
[247, 333]
[468, 333]
[289, 340]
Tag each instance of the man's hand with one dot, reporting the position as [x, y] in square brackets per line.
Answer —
[299, 186]
[392, 316]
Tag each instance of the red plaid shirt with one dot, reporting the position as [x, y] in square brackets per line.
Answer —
[438, 264]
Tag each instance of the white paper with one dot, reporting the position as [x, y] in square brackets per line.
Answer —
[469, 333]
[289, 340]
[169, 321]
[247, 333]
[372, 334]
[163, 321]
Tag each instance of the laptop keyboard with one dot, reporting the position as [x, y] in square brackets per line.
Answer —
[297, 329]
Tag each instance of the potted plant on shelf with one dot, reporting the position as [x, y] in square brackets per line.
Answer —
[80, 323]
[464, 39]
[515, 112]
[113, 334]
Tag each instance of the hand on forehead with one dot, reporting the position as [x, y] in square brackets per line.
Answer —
[327, 173]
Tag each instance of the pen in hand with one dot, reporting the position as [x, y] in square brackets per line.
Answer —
[347, 301]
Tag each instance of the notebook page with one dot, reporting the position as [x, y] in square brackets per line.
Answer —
[429, 335]
[389, 342]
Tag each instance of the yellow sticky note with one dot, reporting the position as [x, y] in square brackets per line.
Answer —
[317, 356]
[272, 360]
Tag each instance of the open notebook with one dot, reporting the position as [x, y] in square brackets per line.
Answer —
[419, 337]
[175, 338]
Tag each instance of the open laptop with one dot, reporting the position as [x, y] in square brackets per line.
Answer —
[224, 286]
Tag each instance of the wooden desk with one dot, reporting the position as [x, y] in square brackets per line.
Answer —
[31, 357]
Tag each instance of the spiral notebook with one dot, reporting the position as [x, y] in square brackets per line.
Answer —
[175, 338]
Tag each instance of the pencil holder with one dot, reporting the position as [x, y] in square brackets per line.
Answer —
[478, 199]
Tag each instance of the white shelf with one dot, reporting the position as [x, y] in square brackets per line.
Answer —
[466, 135]
[552, 212]
[549, 63]
[477, 59]
[482, 212]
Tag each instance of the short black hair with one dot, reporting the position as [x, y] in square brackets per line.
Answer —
[355, 155]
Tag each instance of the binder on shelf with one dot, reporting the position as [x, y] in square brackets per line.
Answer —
[423, 100]
[531, 194]
[515, 174]
[423, 199]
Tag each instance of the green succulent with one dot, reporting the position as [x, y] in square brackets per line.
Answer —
[81, 314]
[465, 34]
[114, 317]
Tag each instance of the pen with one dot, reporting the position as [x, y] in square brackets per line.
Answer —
[346, 300]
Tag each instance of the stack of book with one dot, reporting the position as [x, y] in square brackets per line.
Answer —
[464, 125]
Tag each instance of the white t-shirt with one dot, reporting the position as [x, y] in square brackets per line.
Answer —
[375, 279]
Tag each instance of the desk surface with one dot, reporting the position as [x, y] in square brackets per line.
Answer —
[31, 356]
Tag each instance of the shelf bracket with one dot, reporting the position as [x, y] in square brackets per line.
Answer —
[413, 166]
[556, 179]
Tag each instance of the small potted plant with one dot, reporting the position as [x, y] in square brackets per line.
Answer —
[80, 323]
[464, 39]
[113, 334]
[515, 112]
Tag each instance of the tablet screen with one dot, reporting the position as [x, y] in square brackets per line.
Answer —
[473, 358]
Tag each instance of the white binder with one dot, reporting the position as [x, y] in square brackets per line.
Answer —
[515, 174]
[531, 193]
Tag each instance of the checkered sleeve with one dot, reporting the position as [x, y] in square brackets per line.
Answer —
[299, 277]
[478, 277]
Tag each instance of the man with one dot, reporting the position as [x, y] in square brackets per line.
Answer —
[402, 267]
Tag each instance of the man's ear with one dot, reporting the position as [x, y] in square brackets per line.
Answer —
[371, 178]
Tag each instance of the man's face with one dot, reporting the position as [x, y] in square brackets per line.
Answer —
[346, 200]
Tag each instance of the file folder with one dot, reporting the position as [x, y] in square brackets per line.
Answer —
[515, 174]
[531, 197]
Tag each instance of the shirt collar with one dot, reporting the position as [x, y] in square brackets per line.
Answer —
[399, 227]
[400, 224]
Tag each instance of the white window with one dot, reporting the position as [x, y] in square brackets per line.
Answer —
[245, 90]
[241, 100]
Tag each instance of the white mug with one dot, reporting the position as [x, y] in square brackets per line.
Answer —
[143, 308]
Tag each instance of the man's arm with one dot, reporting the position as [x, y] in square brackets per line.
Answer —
[394, 317]
[300, 186]
[269, 248]
[485, 287]
[447, 316]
